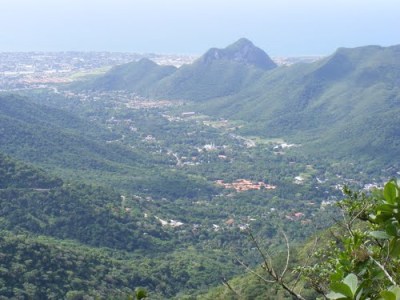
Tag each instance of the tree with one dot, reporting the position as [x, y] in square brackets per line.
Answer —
[358, 258]
[362, 260]
[140, 293]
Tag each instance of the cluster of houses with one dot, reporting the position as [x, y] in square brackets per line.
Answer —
[172, 223]
[241, 185]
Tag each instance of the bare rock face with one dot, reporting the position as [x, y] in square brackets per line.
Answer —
[242, 51]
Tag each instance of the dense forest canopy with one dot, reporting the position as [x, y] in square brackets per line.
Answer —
[172, 182]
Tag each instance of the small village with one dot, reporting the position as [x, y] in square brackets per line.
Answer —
[242, 185]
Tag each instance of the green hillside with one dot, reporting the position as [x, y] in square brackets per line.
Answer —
[349, 99]
[93, 216]
[137, 77]
[68, 144]
[42, 134]
[219, 72]
[41, 267]
[102, 192]
[330, 87]
[62, 240]
[342, 105]
[14, 174]
[44, 268]
[357, 258]
[201, 81]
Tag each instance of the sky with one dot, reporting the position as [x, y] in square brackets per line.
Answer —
[280, 27]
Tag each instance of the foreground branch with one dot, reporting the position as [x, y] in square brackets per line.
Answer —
[268, 267]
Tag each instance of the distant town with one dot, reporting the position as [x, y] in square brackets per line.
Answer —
[22, 70]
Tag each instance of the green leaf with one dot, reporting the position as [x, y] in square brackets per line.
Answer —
[390, 192]
[394, 247]
[359, 294]
[396, 291]
[391, 229]
[379, 235]
[342, 288]
[351, 281]
[333, 295]
[337, 276]
[386, 208]
[386, 295]
[393, 293]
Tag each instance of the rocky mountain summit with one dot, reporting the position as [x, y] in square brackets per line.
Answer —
[242, 51]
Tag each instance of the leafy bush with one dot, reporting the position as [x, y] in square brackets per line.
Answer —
[362, 261]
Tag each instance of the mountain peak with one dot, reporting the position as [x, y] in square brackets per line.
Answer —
[242, 51]
[242, 42]
[146, 61]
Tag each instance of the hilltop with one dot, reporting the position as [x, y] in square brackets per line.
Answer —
[242, 51]
[219, 72]
[348, 98]
[137, 76]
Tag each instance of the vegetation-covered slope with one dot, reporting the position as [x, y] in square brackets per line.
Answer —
[219, 72]
[358, 258]
[171, 164]
[137, 77]
[62, 240]
[343, 103]
[14, 174]
[94, 216]
[351, 81]
[43, 268]
[349, 99]
[56, 139]
[207, 80]
[42, 134]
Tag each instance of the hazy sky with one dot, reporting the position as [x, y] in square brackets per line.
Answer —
[280, 27]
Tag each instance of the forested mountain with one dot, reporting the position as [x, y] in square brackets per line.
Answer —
[165, 221]
[344, 104]
[61, 141]
[92, 215]
[138, 77]
[219, 72]
[152, 176]
[33, 203]
[14, 174]
[45, 268]
[317, 95]
[42, 134]
[70, 240]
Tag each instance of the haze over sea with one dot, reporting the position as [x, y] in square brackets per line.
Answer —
[281, 27]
